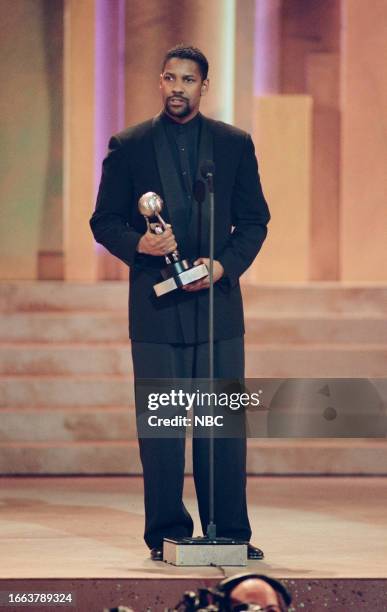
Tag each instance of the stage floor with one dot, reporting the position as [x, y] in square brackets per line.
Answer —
[91, 527]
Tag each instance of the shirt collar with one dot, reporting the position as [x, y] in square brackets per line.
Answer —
[182, 127]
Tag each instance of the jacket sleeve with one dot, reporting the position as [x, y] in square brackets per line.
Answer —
[250, 216]
[110, 222]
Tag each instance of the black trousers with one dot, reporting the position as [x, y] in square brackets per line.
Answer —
[163, 459]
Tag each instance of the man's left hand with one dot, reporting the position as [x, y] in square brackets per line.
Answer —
[204, 283]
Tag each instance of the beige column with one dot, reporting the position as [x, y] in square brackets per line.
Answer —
[155, 26]
[151, 28]
[25, 137]
[79, 110]
[50, 256]
[244, 64]
[323, 86]
[309, 64]
[364, 143]
[282, 136]
[267, 47]
[211, 27]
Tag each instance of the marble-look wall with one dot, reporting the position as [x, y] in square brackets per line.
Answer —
[74, 72]
[31, 115]
[155, 26]
[309, 54]
[79, 142]
[282, 135]
[363, 218]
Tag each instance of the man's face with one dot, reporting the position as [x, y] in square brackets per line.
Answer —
[181, 87]
[259, 592]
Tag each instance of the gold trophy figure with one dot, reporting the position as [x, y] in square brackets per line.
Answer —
[178, 272]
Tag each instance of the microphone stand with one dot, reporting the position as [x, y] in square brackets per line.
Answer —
[211, 527]
[208, 550]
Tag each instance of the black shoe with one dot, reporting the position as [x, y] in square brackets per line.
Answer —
[254, 553]
[157, 553]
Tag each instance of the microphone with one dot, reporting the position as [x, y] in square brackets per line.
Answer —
[199, 191]
[207, 170]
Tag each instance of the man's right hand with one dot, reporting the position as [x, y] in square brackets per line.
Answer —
[157, 244]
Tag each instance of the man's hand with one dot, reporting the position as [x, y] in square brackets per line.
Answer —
[204, 283]
[157, 244]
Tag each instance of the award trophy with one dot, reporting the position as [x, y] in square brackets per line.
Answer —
[178, 272]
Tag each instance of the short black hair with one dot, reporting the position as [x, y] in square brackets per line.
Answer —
[188, 52]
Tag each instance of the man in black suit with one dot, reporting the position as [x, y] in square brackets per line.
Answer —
[169, 334]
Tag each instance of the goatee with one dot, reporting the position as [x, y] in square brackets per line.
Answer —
[181, 111]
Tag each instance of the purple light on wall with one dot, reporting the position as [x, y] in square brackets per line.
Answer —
[109, 76]
[267, 47]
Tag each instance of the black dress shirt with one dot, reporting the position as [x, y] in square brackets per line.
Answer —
[184, 142]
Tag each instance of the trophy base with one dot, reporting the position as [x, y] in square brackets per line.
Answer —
[181, 280]
[175, 268]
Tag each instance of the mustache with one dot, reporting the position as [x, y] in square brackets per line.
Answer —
[177, 98]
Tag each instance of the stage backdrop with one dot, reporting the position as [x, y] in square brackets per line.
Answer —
[306, 77]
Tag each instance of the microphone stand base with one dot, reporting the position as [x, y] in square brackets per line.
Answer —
[204, 552]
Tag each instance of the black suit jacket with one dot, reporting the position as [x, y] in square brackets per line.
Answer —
[134, 166]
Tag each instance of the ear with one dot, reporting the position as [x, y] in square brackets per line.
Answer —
[205, 86]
